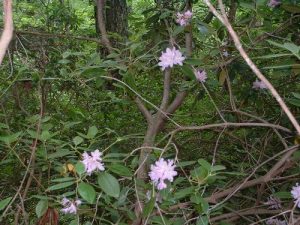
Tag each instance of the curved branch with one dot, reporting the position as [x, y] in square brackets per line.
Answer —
[7, 33]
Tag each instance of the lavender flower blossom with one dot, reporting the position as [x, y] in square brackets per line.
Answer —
[92, 162]
[201, 75]
[183, 18]
[274, 3]
[273, 203]
[259, 85]
[70, 206]
[296, 194]
[276, 222]
[170, 58]
[160, 172]
[225, 53]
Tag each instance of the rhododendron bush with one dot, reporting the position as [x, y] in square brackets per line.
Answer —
[150, 112]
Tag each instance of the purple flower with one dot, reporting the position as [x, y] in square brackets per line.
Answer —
[296, 194]
[183, 18]
[70, 206]
[225, 53]
[276, 222]
[273, 203]
[92, 162]
[259, 85]
[161, 171]
[170, 58]
[274, 3]
[201, 75]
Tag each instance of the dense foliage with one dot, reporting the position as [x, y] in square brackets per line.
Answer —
[163, 123]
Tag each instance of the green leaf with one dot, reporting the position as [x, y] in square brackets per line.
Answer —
[291, 8]
[184, 192]
[203, 220]
[194, 62]
[188, 72]
[205, 164]
[109, 184]
[64, 179]
[41, 208]
[92, 132]
[87, 192]
[217, 168]
[60, 186]
[79, 168]
[10, 138]
[178, 30]
[283, 195]
[149, 207]
[4, 203]
[77, 140]
[120, 170]
[59, 153]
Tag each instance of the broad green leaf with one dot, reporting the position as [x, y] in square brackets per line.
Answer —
[92, 132]
[296, 95]
[10, 138]
[60, 186]
[185, 163]
[87, 192]
[203, 220]
[178, 30]
[120, 170]
[149, 207]
[41, 208]
[79, 168]
[109, 184]
[205, 164]
[4, 203]
[77, 140]
[64, 179]
[217, 168]
[184, 192]
[188, 72]
[59, 153]
[194, 62]
[291, 8]
[283, 195]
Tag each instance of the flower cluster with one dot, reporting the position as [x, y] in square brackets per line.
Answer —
[296, 194]
[170, 58]
[274, 3]
[275, 222]
[273, 203]
[70, 206]
[259, 85]
[201, 75]
[160, 172]
[184, 18]
[92, 162]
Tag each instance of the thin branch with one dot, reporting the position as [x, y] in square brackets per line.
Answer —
[228, 124]
[144, 110]
[245, 212]
[166, 92]
[54, 35]
[224, 20]
[7, 33]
